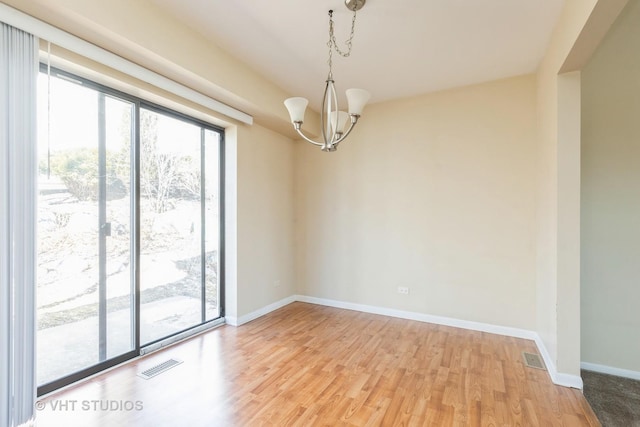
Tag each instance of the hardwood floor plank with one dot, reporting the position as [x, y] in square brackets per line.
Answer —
[306, 365]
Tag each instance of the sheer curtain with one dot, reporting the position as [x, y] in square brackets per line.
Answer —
[18, 77]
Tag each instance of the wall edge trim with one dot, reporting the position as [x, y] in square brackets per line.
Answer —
[238, 321]
[610, 370]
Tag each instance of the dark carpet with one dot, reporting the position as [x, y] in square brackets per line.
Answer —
[615, 400]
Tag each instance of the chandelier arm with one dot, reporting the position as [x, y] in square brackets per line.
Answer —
[323, 118]
[297, 126]
[329, 105]
[354, 120]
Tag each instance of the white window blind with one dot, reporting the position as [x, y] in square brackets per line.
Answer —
[18, 100]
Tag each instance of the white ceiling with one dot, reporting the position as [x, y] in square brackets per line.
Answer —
[401, 47]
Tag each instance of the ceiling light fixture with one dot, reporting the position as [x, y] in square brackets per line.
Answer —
[332, 120]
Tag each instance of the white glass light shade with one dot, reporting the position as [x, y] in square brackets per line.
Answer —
[357, 99]
[341, 117]
[296, 107]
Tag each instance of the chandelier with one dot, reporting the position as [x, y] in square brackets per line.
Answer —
[333, 121]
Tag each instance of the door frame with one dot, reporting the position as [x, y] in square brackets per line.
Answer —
[137, 104]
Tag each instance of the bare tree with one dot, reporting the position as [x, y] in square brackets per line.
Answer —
[158, 170]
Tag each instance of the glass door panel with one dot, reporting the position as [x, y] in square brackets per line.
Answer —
[83, 189]
[170, 226]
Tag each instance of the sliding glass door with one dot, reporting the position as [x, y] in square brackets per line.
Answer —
[85, 287]
[179, 224]
[129, 213]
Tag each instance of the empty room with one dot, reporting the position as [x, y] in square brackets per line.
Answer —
[335, 212]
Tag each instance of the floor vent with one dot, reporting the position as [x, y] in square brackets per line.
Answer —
[533, 360]
[158, 369]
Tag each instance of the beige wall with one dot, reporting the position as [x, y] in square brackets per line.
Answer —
[265, 218]
[610, 201]
[436, 193]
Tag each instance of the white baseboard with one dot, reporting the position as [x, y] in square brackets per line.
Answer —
[427, 318]
[237, 321]
[557, 378]
[610, 370]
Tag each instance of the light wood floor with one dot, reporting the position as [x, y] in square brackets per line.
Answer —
[312, 365]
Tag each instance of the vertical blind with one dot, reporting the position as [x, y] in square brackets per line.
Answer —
[18, 99]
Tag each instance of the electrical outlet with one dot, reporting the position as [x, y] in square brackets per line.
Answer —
[403, 290]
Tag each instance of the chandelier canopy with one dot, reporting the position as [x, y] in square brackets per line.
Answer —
[332, 120]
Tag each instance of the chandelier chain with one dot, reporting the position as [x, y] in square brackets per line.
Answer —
[333, 44]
